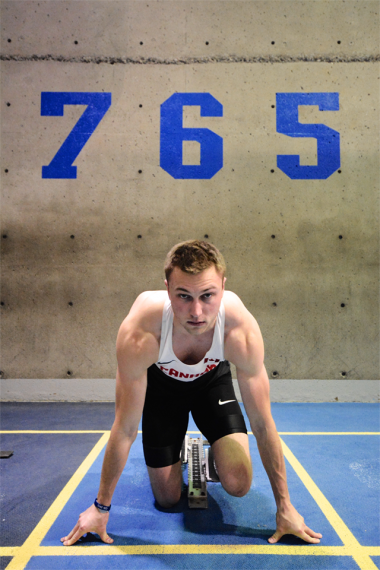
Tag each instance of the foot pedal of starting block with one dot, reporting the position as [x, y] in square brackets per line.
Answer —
[211, 472]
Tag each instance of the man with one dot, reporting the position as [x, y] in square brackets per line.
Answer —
[173, 352]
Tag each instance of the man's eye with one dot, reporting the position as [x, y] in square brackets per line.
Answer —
[207, 295]
[183, 296]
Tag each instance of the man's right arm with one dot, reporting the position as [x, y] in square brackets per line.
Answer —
[137, 349]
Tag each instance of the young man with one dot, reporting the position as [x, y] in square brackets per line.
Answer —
[173, 352]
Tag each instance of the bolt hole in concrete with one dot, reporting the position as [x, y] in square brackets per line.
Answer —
[8, 104]
[69, 373]
[76, 42]
[206, 236]
[9, 40]
[140, 171]
[140, 105]
[343, 374]
[5, 236]
[273, 43]
[275, 374]
[2, 303]
[340, 237]
[71, 303]
[139, 236]
[273, 236]
[343, 304]
[274, 304]
[141, 43]
[72, 236]
[6, 170]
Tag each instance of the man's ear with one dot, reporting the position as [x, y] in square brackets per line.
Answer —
[224, 282]
[167, 285]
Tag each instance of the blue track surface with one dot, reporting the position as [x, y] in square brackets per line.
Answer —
[228, 520]
[345, 468]
[195, 562]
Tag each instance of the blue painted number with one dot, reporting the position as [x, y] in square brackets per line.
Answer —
[52, 104]
[327, 139]
[173, 134]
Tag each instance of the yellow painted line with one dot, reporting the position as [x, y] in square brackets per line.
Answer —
[34, 431]
[344, 533]
[9, 550]
[28, 549]
[329, 433]
[152, 549]
[276, 549]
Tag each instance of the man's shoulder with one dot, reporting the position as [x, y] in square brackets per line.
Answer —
[235, 310]
[146, 312]
[150, 301]
[242, 332]
[141, 329]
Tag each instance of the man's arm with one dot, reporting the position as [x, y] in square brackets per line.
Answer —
[136, 351]
[244, 347]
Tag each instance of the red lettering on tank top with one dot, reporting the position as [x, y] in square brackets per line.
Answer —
[183, 375]
[210, 367]
[173, 372]
[164, 369]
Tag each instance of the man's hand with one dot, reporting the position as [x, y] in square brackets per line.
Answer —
[89, 521]
[289, 521]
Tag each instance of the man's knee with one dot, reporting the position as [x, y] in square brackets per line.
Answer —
[233, 463]
[237, 481]
[167, 501]
[166, 483]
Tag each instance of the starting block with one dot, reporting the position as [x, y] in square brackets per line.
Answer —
[201, 469]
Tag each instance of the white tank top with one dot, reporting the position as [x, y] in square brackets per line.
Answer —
[169, 363]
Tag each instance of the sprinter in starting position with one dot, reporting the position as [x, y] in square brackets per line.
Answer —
[173, 352]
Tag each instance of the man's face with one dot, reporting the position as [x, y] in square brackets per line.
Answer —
[195, 299]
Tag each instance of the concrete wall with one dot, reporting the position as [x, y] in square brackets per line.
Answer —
[302, 254]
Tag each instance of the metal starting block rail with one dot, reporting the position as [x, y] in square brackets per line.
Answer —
[200, 470]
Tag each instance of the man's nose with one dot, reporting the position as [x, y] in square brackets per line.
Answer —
[196, 309]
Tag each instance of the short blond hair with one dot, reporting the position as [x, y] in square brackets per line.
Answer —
[194, 256]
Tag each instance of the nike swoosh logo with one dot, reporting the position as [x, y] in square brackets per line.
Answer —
[226, 402]
[165, 362]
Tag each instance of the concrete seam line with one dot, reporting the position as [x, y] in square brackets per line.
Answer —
[195, 60]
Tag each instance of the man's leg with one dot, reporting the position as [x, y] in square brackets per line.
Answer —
[164, 424]
[166, 484]
[233, 463]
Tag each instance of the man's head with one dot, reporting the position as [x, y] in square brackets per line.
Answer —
[194, 256]
[195, 283]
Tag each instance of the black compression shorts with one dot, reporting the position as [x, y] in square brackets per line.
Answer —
[166, 412]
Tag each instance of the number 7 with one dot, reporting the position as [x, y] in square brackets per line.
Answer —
[52, 104]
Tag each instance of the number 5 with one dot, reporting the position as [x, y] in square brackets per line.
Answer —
[328, 146]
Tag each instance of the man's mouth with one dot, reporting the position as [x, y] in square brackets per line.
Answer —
[195, 323]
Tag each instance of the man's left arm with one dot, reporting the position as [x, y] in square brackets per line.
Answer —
[255, 393]
[245, 348]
